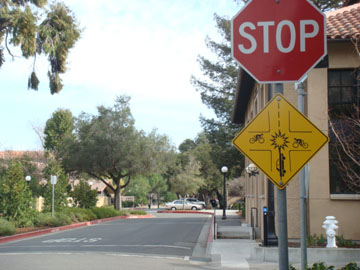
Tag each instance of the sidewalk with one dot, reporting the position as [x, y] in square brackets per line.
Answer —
[233, 249]
[230, 253]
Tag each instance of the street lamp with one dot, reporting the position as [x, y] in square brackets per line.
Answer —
[224, 170]
[252, 170]
[28, 179]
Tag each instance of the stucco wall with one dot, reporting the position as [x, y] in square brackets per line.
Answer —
[321, 203]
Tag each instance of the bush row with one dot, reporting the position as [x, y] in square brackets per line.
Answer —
[67, 217]
[323, 266]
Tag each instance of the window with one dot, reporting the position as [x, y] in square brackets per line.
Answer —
[343, 87]
[344, 100]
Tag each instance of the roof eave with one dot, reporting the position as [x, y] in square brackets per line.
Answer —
[244, 88]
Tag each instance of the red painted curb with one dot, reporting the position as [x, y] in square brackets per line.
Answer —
[10, 238]
[184, 212]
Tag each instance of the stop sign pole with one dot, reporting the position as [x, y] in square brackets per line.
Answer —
[278, 41]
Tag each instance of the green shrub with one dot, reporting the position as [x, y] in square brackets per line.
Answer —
[350, 266]
[46, 219]
[80, 214]
[243, 209]
[105, 212]
[138, 212]
[342, 242]
[128, 204]
[321, 266]
[6, 227]
[123, 213]
[42, 219]
[236, 206]
[315, 240]
[83, 196]
[62, 219]
[15, 196]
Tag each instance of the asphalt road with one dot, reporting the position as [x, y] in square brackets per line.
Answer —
[157, 242]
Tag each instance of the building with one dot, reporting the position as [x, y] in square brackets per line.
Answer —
[331, 86]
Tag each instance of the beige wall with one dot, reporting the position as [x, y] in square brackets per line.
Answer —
[321, 203]
[256, 186]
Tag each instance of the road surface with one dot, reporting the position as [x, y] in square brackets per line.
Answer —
[167, 241]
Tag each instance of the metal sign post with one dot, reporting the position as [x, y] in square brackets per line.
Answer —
[276, 42]
[303, 195]
[53, 181]
[281, 204]
[280, 141]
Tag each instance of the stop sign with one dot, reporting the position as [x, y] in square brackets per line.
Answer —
[278, 40]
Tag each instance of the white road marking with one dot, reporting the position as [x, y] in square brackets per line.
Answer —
[72, 240]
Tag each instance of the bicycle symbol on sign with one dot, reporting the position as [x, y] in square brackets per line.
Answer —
[257, 138]
[299, 142]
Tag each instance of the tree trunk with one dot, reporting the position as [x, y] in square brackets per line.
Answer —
[158, 199]
[117, 201]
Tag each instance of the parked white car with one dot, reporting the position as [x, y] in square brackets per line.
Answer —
[196, 201]
[181, 205]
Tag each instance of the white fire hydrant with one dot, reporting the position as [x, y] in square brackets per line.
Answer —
[330, 227]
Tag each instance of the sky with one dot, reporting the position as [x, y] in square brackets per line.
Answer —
[146, 49]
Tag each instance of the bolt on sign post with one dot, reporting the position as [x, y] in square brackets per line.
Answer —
[278, 41]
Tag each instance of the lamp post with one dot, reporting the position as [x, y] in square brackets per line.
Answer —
[252, 170]
[224, 170]
[28, 179]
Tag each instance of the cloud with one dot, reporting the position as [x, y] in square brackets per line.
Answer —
[146, 49]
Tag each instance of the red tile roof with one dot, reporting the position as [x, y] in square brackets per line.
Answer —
[343, 23]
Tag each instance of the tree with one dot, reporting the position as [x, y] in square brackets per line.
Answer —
[15, 195]
[57, 128]
[83, 196]
[157, 185]
[186, 146]
[52, 34]
[208, 169]
[30, 162]
[61, 188]
[345, 138]
[217, 92]
[187, 181]
[138, 187]
[109, 148]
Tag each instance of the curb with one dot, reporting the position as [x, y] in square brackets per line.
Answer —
[20, 236]
[183, 212]
[205, 240]
[211, 229]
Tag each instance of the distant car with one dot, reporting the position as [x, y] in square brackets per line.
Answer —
[181, 205]
[196, 201]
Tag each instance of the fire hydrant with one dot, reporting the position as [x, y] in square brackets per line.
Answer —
[330, 226]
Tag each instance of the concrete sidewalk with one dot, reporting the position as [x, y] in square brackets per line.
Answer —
[232, 251]
[236, 249]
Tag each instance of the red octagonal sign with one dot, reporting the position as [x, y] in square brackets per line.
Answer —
[278, 40]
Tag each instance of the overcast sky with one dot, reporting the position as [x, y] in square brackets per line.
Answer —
[146, 49]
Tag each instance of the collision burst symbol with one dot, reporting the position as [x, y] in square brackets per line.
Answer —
[279, 140]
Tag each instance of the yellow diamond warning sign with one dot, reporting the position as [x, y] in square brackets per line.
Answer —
[280, 141]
